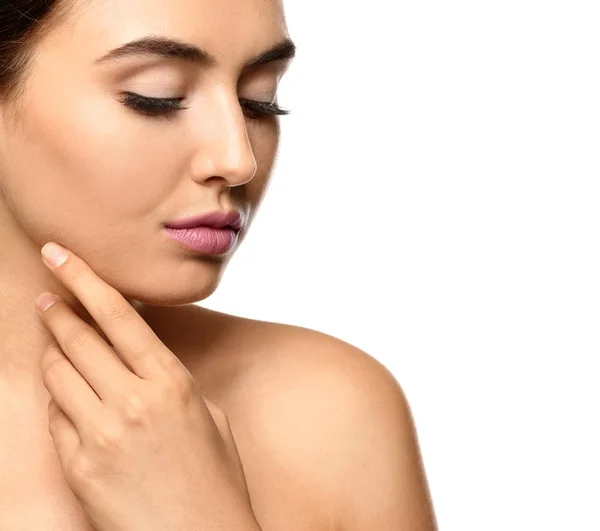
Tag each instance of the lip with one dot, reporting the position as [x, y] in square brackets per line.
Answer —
[205, 239]
[218, 220]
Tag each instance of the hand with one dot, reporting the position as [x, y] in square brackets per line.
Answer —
[139, 446]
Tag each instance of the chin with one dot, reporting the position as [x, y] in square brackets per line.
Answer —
[173, 297]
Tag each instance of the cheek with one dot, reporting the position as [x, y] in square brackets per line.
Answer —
[80, 152]
[87, 176]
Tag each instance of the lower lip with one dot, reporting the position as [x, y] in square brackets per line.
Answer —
[205, 239]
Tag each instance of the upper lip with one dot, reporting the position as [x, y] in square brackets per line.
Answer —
[218, 219]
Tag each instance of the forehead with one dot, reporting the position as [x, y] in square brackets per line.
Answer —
[229, 29]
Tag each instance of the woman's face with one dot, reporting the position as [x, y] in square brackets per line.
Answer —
[81, 168]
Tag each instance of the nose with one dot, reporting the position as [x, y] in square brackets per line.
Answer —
[224, 150]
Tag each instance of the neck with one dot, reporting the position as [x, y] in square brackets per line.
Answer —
[23, 335]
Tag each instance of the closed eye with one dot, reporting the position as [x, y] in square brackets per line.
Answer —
[166, 107]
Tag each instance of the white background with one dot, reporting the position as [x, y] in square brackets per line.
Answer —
[436, 204]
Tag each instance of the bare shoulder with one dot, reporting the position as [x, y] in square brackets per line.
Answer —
[335, 419]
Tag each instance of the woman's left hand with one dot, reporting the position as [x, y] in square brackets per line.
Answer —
[140, 447]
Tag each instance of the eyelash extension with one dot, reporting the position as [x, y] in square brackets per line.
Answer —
[152, 107]
[165, 107]
[263, 108]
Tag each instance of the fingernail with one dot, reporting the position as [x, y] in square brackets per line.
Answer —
[45, 300]
[54, 254]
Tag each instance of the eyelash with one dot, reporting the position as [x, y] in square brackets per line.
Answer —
[166, 107]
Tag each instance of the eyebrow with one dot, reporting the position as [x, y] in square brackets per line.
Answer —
[156, 45]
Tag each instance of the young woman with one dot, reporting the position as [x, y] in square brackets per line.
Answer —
[124, 406]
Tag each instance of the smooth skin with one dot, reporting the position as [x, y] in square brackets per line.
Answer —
[323, 430]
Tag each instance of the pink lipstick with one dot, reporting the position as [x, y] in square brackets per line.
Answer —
[213, 233]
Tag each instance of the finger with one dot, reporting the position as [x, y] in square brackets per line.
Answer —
[68, 389]
[91, 356]
[64, 434]
[131, 336]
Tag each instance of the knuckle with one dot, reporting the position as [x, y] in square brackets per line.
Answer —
[134, 408]
[81, 469]
[117, 313]
[77, 340]
[106, 436]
